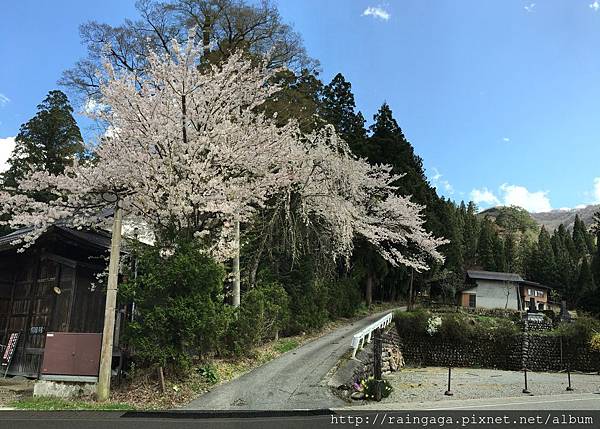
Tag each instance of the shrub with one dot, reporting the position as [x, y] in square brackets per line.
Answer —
[504, 331]
[264, 312]
[344, 297]
[308, 304]
[209, 373]
[433, 324]
[412, 323]
[595, 342]
[369, 387]
[179, 306]
[457, 328]
[578, 332]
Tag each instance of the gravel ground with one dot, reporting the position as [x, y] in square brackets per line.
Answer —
[429, 384]
[14, 388]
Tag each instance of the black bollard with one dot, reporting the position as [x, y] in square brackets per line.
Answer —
[449, 391]
[569, 388]
[526, 390]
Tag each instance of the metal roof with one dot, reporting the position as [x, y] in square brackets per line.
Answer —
[491, 275]
[15, 235]
[96, 238]
[535, 284]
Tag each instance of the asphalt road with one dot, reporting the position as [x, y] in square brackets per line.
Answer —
[295, 380]
[564, 401]
[119, 420]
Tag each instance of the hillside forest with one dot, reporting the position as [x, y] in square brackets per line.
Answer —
[288, 278]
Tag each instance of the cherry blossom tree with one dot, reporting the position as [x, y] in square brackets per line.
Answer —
[188, 150]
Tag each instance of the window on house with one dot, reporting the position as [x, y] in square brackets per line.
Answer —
[529, 292]
[472, 300]
[539, 293]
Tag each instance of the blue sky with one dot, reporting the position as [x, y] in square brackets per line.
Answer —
[500, 98]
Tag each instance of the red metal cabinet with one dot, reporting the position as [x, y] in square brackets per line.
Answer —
[73, 354]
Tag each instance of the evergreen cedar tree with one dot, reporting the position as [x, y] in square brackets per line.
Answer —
[567, 261]
[48, 142]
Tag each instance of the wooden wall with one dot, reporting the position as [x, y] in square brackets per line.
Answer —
[42, 291]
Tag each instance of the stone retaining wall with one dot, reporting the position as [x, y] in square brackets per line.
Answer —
[392, 359]
[535, 351]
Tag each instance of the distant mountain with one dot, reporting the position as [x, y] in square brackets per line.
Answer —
[518, 219]
[512, 219]
[551, 220]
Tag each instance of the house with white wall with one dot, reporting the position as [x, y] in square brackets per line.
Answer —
[489, 289]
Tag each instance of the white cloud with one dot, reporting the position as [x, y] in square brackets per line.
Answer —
[436, 179]
[595, 6]
[520, 196]
[436, 175]
[593, 196]
[448, 187]
[596, 192]
[484, 196]
[506, 139]
[581, 206]
[7, 145]
[377, 12]
[529, 8]
[513, 195]
[92, 107]
[4, 100]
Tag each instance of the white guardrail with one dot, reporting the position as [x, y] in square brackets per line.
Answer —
[364, 336]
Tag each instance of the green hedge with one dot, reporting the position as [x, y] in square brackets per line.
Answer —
[578, 332]
[263, 313]
[179, 308]
[455, 327]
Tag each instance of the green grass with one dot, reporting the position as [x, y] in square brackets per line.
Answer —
[47, 403]
[283, 346]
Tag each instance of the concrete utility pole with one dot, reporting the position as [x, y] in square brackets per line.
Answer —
[236, 267]
[103, 388]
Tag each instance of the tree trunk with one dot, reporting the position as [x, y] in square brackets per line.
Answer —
[369, 291]
[256, 262]
[236, 267]
[206, 31]
[410, 291]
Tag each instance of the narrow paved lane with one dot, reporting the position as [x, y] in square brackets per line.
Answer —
[563, 401]
[294, 380]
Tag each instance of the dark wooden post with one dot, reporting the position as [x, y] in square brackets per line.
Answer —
[449, 391]
[377, 358]
[409, 307]
[525, 353]
[526, 389]
[569, 387]
[569, 360]
[377, 354]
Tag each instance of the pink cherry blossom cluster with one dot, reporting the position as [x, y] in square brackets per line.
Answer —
[188, 148]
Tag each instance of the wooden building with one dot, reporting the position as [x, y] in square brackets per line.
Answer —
[50, 287]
